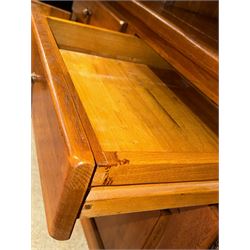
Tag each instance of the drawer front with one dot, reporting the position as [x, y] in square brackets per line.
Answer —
[50, 146]
[98, 14]
[64, 172]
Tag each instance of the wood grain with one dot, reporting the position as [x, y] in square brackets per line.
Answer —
[108, 200]
[138, 130]
[91, 233]
[202, 24]
[192, 43]
[98, 41]
[200, 104]
[65, 160]
[185, 228]
[130, 230]
[199, 77]
[167, 141]
[206, 8]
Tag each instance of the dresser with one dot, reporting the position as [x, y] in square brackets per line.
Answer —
[125, 116]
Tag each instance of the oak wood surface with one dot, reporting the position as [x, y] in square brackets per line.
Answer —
[93, 40]
[65, 160]
[167, 142]
[198, 76]
[109, 200]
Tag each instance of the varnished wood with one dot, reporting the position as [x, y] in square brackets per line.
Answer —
[166, 143]
[198, 76]
[193, 44]
[186, 228]
[49, 10]
[206, 8]
[91, 233]
[199, 103]
[111, 200]
[65, 159]
[101, 15]
[98, 41]
[204, 25]
[126, 231]
[138, 130]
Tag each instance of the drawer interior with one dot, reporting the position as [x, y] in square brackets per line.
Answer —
[131, 109]
[136, 118]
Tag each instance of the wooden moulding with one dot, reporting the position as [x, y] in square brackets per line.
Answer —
[65, 160]
[103, 201]
[197, 75]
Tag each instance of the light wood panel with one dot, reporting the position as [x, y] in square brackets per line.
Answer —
[98, 41]
[134, 110]
[140, 123]
[103, 201]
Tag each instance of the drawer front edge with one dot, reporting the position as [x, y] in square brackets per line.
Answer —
[66, 164]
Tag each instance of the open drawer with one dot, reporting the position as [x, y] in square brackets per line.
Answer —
[111, 136]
